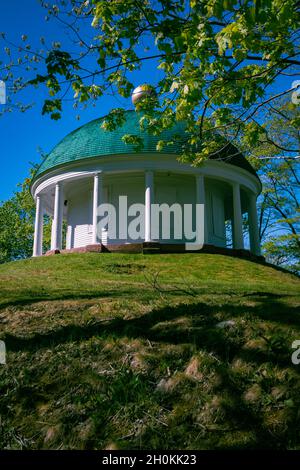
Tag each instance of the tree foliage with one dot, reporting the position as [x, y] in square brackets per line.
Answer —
[218, 60]
[17, 216]
[280, 199]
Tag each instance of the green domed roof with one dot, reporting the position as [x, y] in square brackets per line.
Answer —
[90, 140]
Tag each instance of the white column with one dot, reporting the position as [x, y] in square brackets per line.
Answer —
[148, 201]
[38, 227]
[69, 228]
[97, 200]
[237, 218]
[253, 226]
[56, 238]
[200, 199]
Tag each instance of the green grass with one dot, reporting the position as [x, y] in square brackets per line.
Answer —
[111, 351]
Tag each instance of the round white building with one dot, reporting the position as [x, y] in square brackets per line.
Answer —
[92, 166]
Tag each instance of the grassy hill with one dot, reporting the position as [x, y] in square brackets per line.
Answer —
[119, 351]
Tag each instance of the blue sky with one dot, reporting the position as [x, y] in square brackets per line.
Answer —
[23, 133]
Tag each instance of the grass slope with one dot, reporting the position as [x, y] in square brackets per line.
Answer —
[122, 352]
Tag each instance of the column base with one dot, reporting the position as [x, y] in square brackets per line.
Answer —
[151, 248]
[52, 252]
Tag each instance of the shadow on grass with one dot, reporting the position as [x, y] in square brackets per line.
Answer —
[33, 298]
[161, 326]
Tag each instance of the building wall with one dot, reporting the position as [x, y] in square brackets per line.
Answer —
[80, 220]
[168, 188]
[215, 210]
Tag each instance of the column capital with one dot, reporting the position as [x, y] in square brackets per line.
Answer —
[39, 196]
[252, 195]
